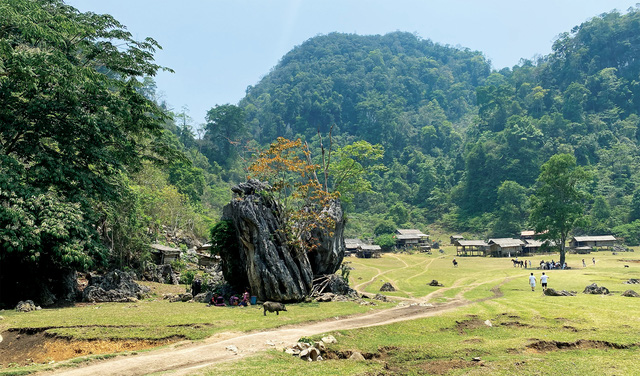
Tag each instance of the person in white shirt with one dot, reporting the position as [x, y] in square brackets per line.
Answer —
[543, 281]
[532, 282]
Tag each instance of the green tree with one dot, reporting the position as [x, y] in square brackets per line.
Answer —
[72, 120]
[511, 213]
[557, 205]
[224, 129]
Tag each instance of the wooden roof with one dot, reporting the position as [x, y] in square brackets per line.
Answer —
[471, 243]
[507, 242]
[164, 249]
[600, 238]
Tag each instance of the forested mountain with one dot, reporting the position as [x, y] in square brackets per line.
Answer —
[464, 144]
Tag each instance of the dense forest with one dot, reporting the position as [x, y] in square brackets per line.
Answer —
[94, 167]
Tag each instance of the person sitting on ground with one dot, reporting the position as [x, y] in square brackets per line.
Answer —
[245, 298]
[234, 300]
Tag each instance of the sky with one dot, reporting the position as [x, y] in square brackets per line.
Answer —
[218, 48]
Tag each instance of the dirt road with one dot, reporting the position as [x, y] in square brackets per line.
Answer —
[185, 358]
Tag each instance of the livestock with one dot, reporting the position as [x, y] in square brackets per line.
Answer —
[273, 307]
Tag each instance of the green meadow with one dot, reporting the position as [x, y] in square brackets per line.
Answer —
[506, 327]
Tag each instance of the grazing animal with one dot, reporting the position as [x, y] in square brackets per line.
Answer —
[519, 263]
[273, 307]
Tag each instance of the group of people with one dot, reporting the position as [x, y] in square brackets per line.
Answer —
[552, 265]
[217, 300]
[544, 279]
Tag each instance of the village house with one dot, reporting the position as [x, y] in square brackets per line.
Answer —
[532, 246]
[163, 254]
[368, 251]
[412, 239]
[505, 247]
[454, 238]
[584, 244]
[471, 247]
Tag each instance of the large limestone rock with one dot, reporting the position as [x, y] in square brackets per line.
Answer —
[328, 254]
[115, 286]
[271, 267]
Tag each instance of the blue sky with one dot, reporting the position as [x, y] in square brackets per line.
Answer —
[218, 48]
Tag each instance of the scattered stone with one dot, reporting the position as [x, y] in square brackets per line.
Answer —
[203, 297]
[320, 346]
[232, 348]
[181, 297]
[270, 343]
[329, 339]
[631, 294]
[425, 305]
[292, 351]
[387, 287]
[552, 292]
[477, 359]
[488, 322]
[402, 304]
[26, 306]
[435, 283]
[356, 356]
[594, 289]
[633, 281]
[381, 297]
[326, 297]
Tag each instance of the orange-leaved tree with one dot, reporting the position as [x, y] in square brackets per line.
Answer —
[288, 168]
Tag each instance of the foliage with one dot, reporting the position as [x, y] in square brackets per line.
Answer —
[557, 206]
[73, 121]
[287, 166]
[387, 242]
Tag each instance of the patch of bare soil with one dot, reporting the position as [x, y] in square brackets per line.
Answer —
[464, 326]
[26, 346]
[547, 346]
[516, 324]
[382, 354]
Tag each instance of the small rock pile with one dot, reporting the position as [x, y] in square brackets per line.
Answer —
[178, 297]
[552, 292]
[387, 287]
[27, 306]
[594, 289]
[633, 281]
[310, 352]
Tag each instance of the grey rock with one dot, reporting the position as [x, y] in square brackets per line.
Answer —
[594, 289]
[381, 297]
[356, 356]
[160, 273]
[633, 281]
[115, 286]
[631, 294]
[387, 287]
[327, 255]
[552, 292]
[264, 260]
[435, 283]
[26, 306]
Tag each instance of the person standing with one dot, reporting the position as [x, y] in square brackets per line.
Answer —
[584, 264]
[532, 282]
[594, 260]
[543, 281]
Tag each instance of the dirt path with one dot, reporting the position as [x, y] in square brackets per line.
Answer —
[185, 358]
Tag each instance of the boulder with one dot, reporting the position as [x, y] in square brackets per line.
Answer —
[356, 356]
[160, 274]
[382, 298]
[552, 292]
[264, 260]
[115, 286]
[435, 283]
[633, 281]
[594, 289]
[387, 287]
[631, 294]
[26, 306]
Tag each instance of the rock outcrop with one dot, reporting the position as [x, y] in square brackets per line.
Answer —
[387, 287]
[328, 254]
[594, 289]
[115, 286]
[160, 273]
[631, 294]
[552, 292]
[264, 260]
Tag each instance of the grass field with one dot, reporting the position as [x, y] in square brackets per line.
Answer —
[530, 334]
